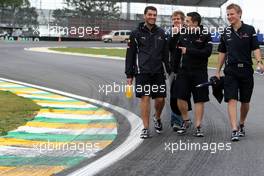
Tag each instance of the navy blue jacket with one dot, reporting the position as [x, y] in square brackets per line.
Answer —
[147, 51]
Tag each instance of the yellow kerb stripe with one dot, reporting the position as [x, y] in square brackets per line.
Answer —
[34, 170]
[32, 144]
[62, 111]
[70, 126]
[62, 103]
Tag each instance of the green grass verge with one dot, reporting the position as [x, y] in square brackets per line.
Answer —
[107, 52]
[120, 53]
[15, 111]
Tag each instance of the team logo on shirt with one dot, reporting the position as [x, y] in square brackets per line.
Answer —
[199, 40]
[244, 35]
[159, 38]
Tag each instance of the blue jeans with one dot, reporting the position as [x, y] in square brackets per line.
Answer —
[176, 119]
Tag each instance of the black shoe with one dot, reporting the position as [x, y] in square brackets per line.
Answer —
[198, 132]
[241, 130]
[234, 136]
[157, 125]
[176, 127]
[185, 125]
[145, 134]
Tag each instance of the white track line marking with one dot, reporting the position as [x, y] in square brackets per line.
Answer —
[90, 131]
[44, 149]
[75, 116]
[65, 105]
[46, 50]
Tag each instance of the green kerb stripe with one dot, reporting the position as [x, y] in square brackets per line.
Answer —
[71, 109]
[35, 161]
[53, 100]
[75, 121]
[59, 137]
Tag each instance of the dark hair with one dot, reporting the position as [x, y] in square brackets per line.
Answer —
[196, 17]
[149, 8]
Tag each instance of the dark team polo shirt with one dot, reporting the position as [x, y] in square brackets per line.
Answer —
[238, 45]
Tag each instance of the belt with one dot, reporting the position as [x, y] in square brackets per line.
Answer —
[240, 65]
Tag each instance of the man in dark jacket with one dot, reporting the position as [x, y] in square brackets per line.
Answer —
[145, 58]
[177, 18]
[175, 53]
[196, 47]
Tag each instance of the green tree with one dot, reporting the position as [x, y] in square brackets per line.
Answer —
[18, 12]
[13, 3]
[107, 9]
[61, 16]
[26, 16]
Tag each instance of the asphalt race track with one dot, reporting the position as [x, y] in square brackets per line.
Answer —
[83, 75]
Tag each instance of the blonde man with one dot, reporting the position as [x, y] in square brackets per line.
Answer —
[237, 43]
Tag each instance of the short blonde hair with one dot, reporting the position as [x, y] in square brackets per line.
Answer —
[178, 12]
[234, 6]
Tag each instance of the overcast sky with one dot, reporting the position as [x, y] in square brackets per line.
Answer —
[252, 9]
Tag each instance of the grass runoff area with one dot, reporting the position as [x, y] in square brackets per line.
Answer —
[15, 111]
[121, 53]
[95, 51]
